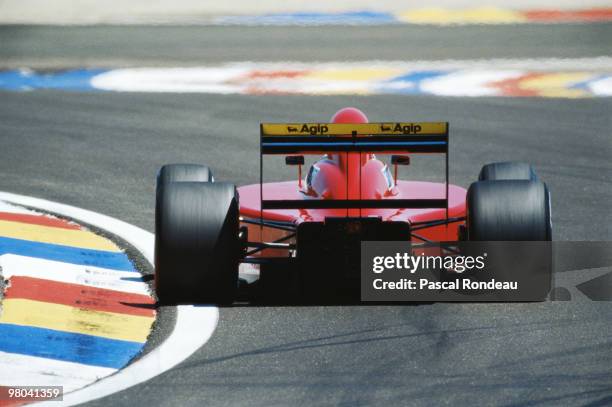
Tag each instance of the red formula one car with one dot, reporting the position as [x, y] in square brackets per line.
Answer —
[308, 230]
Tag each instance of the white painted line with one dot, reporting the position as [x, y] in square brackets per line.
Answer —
[194, 324]
[602, 87]
[7, 207]
[184, 80]
[15, 265]
[467, 83]
[17, 370]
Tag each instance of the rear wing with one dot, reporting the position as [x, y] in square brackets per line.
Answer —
[315, 138]
[384, 138]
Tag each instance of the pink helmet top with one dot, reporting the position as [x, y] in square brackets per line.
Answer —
[349, 115]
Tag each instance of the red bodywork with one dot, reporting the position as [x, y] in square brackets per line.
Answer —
[351, 175]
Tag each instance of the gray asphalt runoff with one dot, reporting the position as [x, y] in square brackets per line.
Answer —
[101, 151]
[100, 46]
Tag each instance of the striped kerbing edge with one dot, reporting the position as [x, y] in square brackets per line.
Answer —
[74, 308]
[553, 78]
[480, 15]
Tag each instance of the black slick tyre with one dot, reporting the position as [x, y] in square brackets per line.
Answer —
[196, 242]
[508, 210]
[184, 173]
[507, 171]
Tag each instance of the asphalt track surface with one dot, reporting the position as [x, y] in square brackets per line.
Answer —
[118, 46]
[101, 151]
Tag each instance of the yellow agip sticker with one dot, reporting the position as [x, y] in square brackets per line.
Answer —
[362, 129]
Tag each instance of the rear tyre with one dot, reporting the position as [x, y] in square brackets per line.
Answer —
[508, 210]
[196, 242]
[507, 171]
[184, 173]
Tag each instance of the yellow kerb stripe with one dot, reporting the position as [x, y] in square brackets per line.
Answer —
[60, 236]
[341, 129]
[557, 84]
[76, 320]
[354, 74]
[479, 15]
